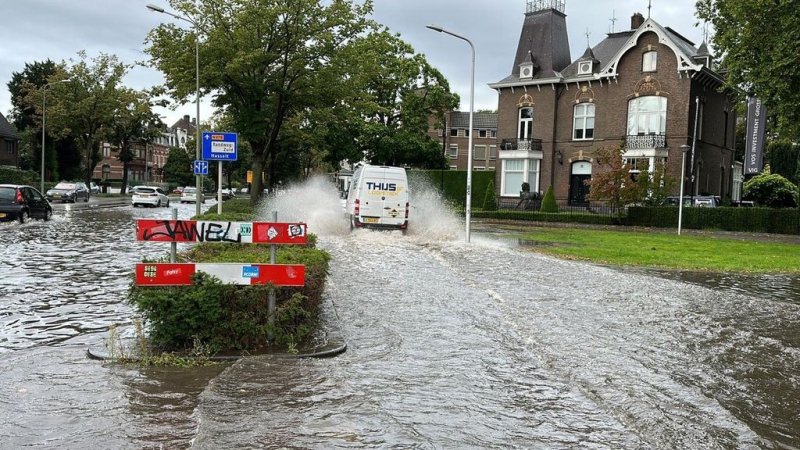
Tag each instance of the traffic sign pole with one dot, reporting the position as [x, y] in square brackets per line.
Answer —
[219, 189]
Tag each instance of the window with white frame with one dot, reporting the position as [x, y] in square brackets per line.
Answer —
[439, 132]
[583, 122]
[637, 165]
[492, 133]
[525, 128]
[647, 115]
[492, 152]
[480, 152]
[518, 171]
[482, 133]
[453, 151]
[465, 132]
[649, 61]
[454, 132]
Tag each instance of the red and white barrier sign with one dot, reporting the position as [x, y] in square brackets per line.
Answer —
[219, 231]
[180, 274]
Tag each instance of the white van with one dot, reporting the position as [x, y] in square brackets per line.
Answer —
[378, 198]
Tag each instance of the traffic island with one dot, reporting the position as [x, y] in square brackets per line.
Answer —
[229, 294]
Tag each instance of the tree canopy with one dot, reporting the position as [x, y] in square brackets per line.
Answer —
[760, 46]
[304, 82]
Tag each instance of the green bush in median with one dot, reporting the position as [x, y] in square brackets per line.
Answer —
[225, 317]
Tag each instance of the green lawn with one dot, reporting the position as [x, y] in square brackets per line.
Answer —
[629, 248]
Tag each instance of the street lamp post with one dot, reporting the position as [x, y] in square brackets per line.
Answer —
[684, 149]
[198, 156]
[468, 209]
[44, 108]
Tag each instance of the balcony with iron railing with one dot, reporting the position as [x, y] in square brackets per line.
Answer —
[531, 145]
[645, 141]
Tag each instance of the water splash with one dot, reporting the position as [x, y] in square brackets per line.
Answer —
[316, 202]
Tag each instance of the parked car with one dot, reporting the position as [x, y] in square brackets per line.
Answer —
[149, 196]
[228, 194]
[94, 188]
[69, 191]
[19, 202]
[190, 195]
[707, 201]
[178, 190]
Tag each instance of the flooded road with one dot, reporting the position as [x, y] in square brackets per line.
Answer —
[449, 346]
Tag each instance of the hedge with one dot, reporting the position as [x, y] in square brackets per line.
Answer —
[753, 220]
[453, 184]
[536, 216]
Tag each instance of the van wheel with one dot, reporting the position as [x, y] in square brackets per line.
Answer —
[23, 216]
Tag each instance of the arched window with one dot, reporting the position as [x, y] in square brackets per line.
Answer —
[647, 115]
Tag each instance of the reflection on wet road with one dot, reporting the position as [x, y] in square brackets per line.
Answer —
[450, 346]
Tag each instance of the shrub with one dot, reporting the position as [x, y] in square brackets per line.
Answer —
[549, 204]
[770, 189]
[225, 317]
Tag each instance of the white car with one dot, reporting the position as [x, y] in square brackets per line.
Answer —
[149, 196]
[189, 195]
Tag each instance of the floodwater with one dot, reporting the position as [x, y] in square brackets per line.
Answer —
[450, 345]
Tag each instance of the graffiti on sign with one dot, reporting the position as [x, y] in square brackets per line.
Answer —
[218, 231]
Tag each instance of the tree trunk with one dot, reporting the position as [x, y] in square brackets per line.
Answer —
[257, 187]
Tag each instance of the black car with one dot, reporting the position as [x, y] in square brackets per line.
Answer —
[69, 191]
[20, 202]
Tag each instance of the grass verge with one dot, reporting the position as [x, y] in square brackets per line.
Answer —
[689, 252]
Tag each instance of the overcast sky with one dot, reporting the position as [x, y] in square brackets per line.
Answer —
[35, 30]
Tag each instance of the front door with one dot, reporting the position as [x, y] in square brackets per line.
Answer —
[578, 189]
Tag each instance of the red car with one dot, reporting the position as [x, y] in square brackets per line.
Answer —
[21, 202]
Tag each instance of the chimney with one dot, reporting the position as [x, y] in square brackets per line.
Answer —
[186, 118]
[194, 120]
[636, 21]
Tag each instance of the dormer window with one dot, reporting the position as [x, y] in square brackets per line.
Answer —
[649, 61]
[585, 68]
[525, 70]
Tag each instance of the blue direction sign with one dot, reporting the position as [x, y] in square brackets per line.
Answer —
[200, 167]
[219, 146]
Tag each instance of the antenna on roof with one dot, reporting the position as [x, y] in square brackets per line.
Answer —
[613, 19]
[587, 34]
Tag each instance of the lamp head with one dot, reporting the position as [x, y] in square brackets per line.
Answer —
[435, 28]
[685, 148]
[155, 8]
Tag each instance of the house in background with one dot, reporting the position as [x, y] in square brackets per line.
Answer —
[647, 89]
[9, 143]
[149, 159]
[454, 137]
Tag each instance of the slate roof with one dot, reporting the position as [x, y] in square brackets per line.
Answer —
[482, 121]
[7, 130]
[606, 49]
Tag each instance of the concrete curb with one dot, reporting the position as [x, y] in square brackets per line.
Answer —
[98, 355]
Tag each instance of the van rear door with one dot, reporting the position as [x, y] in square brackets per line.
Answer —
[384, 197]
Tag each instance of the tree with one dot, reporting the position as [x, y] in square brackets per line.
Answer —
[400, 92]
[614, 183]
[771, 189]
[763, 63]
[262, 59]
[178, 168]
[82, 110]
[27, 117]
[549, 204]
[783, 157]
[133, 122]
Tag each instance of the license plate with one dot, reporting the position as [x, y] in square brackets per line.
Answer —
[370, 220]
